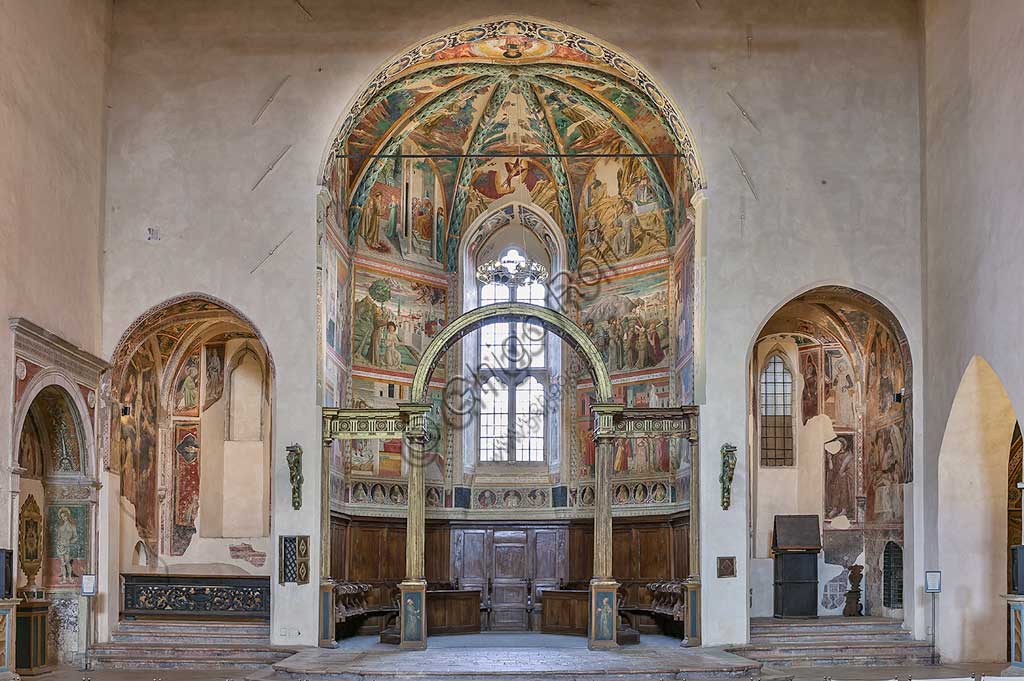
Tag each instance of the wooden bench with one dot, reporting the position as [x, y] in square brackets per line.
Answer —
[668, 602]
[352, 609]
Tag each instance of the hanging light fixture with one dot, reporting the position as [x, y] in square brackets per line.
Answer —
[512, 269]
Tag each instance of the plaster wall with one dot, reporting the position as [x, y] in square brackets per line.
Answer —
[972, 471]
[835, 167]
[973, 178]
[52, 89]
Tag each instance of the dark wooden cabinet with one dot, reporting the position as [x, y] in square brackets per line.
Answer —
[30, 638]
[565, 611]
[453, 612]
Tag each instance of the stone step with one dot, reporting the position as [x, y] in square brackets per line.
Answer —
[159, 626]
[825, 636]
[826, 631]
[826, 626]
[186, 638]
[252, 634]
[829, 660]
[154, 655]
[836, 647]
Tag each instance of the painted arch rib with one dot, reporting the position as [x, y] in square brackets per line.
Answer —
[551, 320]
[468, 165]
[393, 146]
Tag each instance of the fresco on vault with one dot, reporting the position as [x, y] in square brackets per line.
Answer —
[620, 217]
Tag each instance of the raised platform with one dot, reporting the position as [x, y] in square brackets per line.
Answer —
[519, 656]
[155, 644]
[830, 641]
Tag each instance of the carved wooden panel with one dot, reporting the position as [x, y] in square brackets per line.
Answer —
[365, 549]
[623, 555]
[511, 563]
[437, 543]
[654, 553]
[393, 562]
[565, 612]
[510, 574]
[339, 541]
[581, 553]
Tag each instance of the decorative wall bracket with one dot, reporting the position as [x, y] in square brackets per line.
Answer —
[728, 470]
[295, 473]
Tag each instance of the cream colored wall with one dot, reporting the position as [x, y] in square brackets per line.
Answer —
[974, 180]
[52, 96]
[835, 166]
[211, 468]
[972, 473]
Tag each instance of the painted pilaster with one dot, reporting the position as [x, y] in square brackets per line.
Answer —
[603, 587]
[327, 634]
[413, 619]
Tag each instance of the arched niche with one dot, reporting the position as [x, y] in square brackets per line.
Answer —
[189, 489]
[852, 441]
[56, 493]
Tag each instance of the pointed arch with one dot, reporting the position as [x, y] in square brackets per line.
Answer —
[973, 467]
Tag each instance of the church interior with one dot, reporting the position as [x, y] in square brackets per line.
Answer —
[593, 339]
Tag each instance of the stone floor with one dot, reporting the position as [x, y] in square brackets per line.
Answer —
[517, 656]
[513, 656]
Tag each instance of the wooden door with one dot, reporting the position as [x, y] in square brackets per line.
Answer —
[547, 569]
[509, 584]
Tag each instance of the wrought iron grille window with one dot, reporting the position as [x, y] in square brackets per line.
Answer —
[776, 414]
[892, 576]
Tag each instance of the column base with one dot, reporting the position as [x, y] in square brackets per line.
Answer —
[603, 621]
[412, 615]
[327, 617]
[692, 624]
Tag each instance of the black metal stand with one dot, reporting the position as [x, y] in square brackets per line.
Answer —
[933, 628]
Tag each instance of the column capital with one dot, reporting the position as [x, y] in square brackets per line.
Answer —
[413, 414]
[604, 414]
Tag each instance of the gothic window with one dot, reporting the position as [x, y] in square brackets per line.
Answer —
[776, 413]
[892, 576]
[513, 367]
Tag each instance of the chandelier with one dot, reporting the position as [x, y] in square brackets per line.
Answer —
[512, 269]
